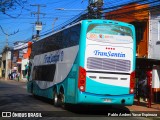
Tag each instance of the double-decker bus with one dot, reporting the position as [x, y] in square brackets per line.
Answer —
[89, 62]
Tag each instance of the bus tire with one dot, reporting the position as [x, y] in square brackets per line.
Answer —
[32, 88]
[62, 99]
[55, 98]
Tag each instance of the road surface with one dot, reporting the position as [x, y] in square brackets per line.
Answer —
[22, 105]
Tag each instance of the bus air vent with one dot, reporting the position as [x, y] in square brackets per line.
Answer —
[108, 64]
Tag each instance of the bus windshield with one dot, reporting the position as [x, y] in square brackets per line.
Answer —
[110, 33]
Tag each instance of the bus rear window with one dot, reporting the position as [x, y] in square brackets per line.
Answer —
[109, 32]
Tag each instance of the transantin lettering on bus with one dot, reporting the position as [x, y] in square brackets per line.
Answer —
[53, 58]
[109, 54]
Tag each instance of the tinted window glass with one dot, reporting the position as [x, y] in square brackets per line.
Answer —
[111, 33]
[45, 72]
[110, 29]
[63, 39]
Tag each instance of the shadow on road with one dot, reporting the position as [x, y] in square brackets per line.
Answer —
[97, 109]
[89, 110]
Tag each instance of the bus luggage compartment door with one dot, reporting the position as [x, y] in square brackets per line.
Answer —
[107, 84]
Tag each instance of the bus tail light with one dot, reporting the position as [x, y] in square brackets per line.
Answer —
[132, 82]
[82, 79]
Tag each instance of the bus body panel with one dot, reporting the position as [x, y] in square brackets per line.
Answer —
[69, 85]
[108, 86]
[65, 75]
[88, 98]
[82, 46]
[117, 56]
[61, 59]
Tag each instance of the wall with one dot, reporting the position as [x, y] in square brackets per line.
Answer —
[22, 53]
[137, 15]
[6, 63]
[147, 24]
[154, 40]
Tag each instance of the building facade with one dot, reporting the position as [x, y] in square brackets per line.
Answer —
[6, 62]
[146, 20]
[21, 54]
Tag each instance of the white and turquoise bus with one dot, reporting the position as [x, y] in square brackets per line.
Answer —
[90, 62]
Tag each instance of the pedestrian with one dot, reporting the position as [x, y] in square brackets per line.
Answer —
[12, 75]
[142, 86]
[18, 76]
[9, 76]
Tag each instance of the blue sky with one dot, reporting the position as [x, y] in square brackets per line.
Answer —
[20, 19]
[23, 23]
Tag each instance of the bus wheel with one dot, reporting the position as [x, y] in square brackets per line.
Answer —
[62, 99]
[55, 98]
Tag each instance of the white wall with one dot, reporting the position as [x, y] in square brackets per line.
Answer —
[154, 36]
[156, 77]
[24, 62]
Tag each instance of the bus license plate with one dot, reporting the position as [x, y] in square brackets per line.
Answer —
[107, 100]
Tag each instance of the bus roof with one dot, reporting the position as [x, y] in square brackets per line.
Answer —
[89, 20]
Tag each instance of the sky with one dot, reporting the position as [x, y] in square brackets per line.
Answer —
[18, 22]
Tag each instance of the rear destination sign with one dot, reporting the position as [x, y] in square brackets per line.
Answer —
[109, 54]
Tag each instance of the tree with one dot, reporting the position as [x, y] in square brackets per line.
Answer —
[6, 5]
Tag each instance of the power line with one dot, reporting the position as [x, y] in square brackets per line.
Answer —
[70, 20]
[138, 1]
[115, 7]
[126, 13]
[7, 33]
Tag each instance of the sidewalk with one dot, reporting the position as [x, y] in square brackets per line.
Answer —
[21, 80]
[143, 107]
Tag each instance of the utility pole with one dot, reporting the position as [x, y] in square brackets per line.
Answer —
[95, 9]
[38, 23]
[6, 40]
[6, 52]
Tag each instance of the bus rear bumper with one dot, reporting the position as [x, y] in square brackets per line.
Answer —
[88, 98]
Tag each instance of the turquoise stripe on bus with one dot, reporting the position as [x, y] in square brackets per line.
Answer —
[82, 44]
[87, 98]
[42, 92]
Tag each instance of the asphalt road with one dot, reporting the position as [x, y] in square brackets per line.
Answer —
[15, 100]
